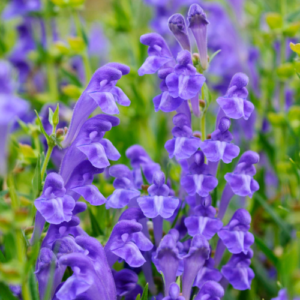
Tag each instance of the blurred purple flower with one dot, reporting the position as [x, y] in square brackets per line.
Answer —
[174, 292]
[211, 290]
[20, 8]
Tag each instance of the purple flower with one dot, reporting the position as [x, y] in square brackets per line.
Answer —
[159, 54]
[158, 203]
[198, 22]
[234, 103]
[207, 273]
[90, 144]
[237, 271]
[198, 253]
[125, 190]
[219, 147]
[241, 180]
[235, 235]
[166, 259]
[211, 290]
[20, 8]
[282, 295]
[198, 180]
[139, 159]
[184, 144]
[54, 204]
[204, 221]
[126, 281]
[178, 28]
[101, 91]
[184, 82]
[127, 241]
[174, 292]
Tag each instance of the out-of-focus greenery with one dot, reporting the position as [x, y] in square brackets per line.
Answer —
[275, 210]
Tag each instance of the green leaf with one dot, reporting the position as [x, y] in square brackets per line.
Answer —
[73, 78]
[3, 193]
[207, 96]
[39, 121]
[138, 297]
[266, 250]
[50, 117]
[37, 180]
[273, 214]
[5, 292]
[96, 230]
[56, 116]
[145, 293]
[33, 286]
[213, 55]
[187, 237]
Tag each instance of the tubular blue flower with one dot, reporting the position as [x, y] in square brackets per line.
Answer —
[178, 27]
[211, 290]
[234, 103]
[20, 8]
[127, 241]
[198, 180]
[184, 144]
[126, 281]
[235, 235]
[101, 91]
[219, 146]
[198, 22]
[11, 108]
[159, 54]
[139, 159]
[185, 82]
[54, 204]
[125, 190]
[204, 221]
[237, 270]
[90, 144]
[166, 259]
[174, 292]
[207, 273]
[198, 253]
[241, 181]
[158, 203]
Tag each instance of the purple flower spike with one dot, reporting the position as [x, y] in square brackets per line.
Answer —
[159, 54]
[282, 295]
[158, 203]
[237, 271]
[167, 259]
[101, 91]
[178, 28]
[198, 22]
[234, 103]
[127, 241]
[20, 8]
[235, 235]
[206, 273]
[124, 185]
[198, 180]
[184, 82]
[54, 204]
[241, 180]
[219, 147]
[211, 290]
[193, 261]
[184, 144]
[174, 292]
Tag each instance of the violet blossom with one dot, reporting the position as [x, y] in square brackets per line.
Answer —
[211, 290]
[174, 292]
[20, 8]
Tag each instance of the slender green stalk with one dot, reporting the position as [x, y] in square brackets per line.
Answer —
[203, 128]
[85, 57]
[46, 161]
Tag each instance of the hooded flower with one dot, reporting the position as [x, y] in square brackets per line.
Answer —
[101, 91]
[125, 189]
[237, 270]
[219, 146]
[126, 281]
[211, 290]
[198, 180]
[127, 241]
[235, 235]
[184, 144]
[54, 204]
[234, 103]
[158, 203]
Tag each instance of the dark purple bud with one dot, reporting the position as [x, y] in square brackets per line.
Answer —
[178, 28]
[174, 292]
[198, 22]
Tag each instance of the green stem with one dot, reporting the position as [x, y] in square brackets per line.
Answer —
[203, 128]
[85, 57]
[12, 192]
[46, 161]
